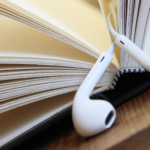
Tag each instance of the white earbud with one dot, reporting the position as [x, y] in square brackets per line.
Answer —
[91, 117]
[134, 51]
[129, 47]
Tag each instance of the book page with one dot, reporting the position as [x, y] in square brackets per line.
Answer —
[141, 25]
[37, 112]
[76, 18]
[146, 44]
[19, 40]
[9, 9]
[90, 31]
[135, 16]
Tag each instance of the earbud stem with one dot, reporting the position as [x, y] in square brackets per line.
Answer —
[95, 74]
[91, 117]
[134, 51]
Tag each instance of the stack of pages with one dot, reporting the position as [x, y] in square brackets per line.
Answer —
[46, 50]
[48, 47]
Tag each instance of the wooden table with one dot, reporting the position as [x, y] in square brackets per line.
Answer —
[131, 131]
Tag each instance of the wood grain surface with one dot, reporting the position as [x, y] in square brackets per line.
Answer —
[131, 130]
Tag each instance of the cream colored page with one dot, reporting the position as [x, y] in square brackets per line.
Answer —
[78, 18]
[18, 40]
[19, 120]
[15, 8]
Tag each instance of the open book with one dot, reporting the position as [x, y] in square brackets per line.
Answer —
[46, 50]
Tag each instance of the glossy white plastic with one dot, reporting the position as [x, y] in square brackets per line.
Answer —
[129, 47]
[89, 116]
[134, 51]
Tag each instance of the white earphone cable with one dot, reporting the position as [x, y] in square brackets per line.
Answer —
[112, 8]
[114, 33]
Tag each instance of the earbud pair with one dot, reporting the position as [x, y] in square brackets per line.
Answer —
[91, 117]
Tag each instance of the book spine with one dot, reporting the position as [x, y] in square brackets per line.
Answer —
[126, 70]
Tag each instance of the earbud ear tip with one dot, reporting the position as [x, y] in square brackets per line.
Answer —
[94, 117]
